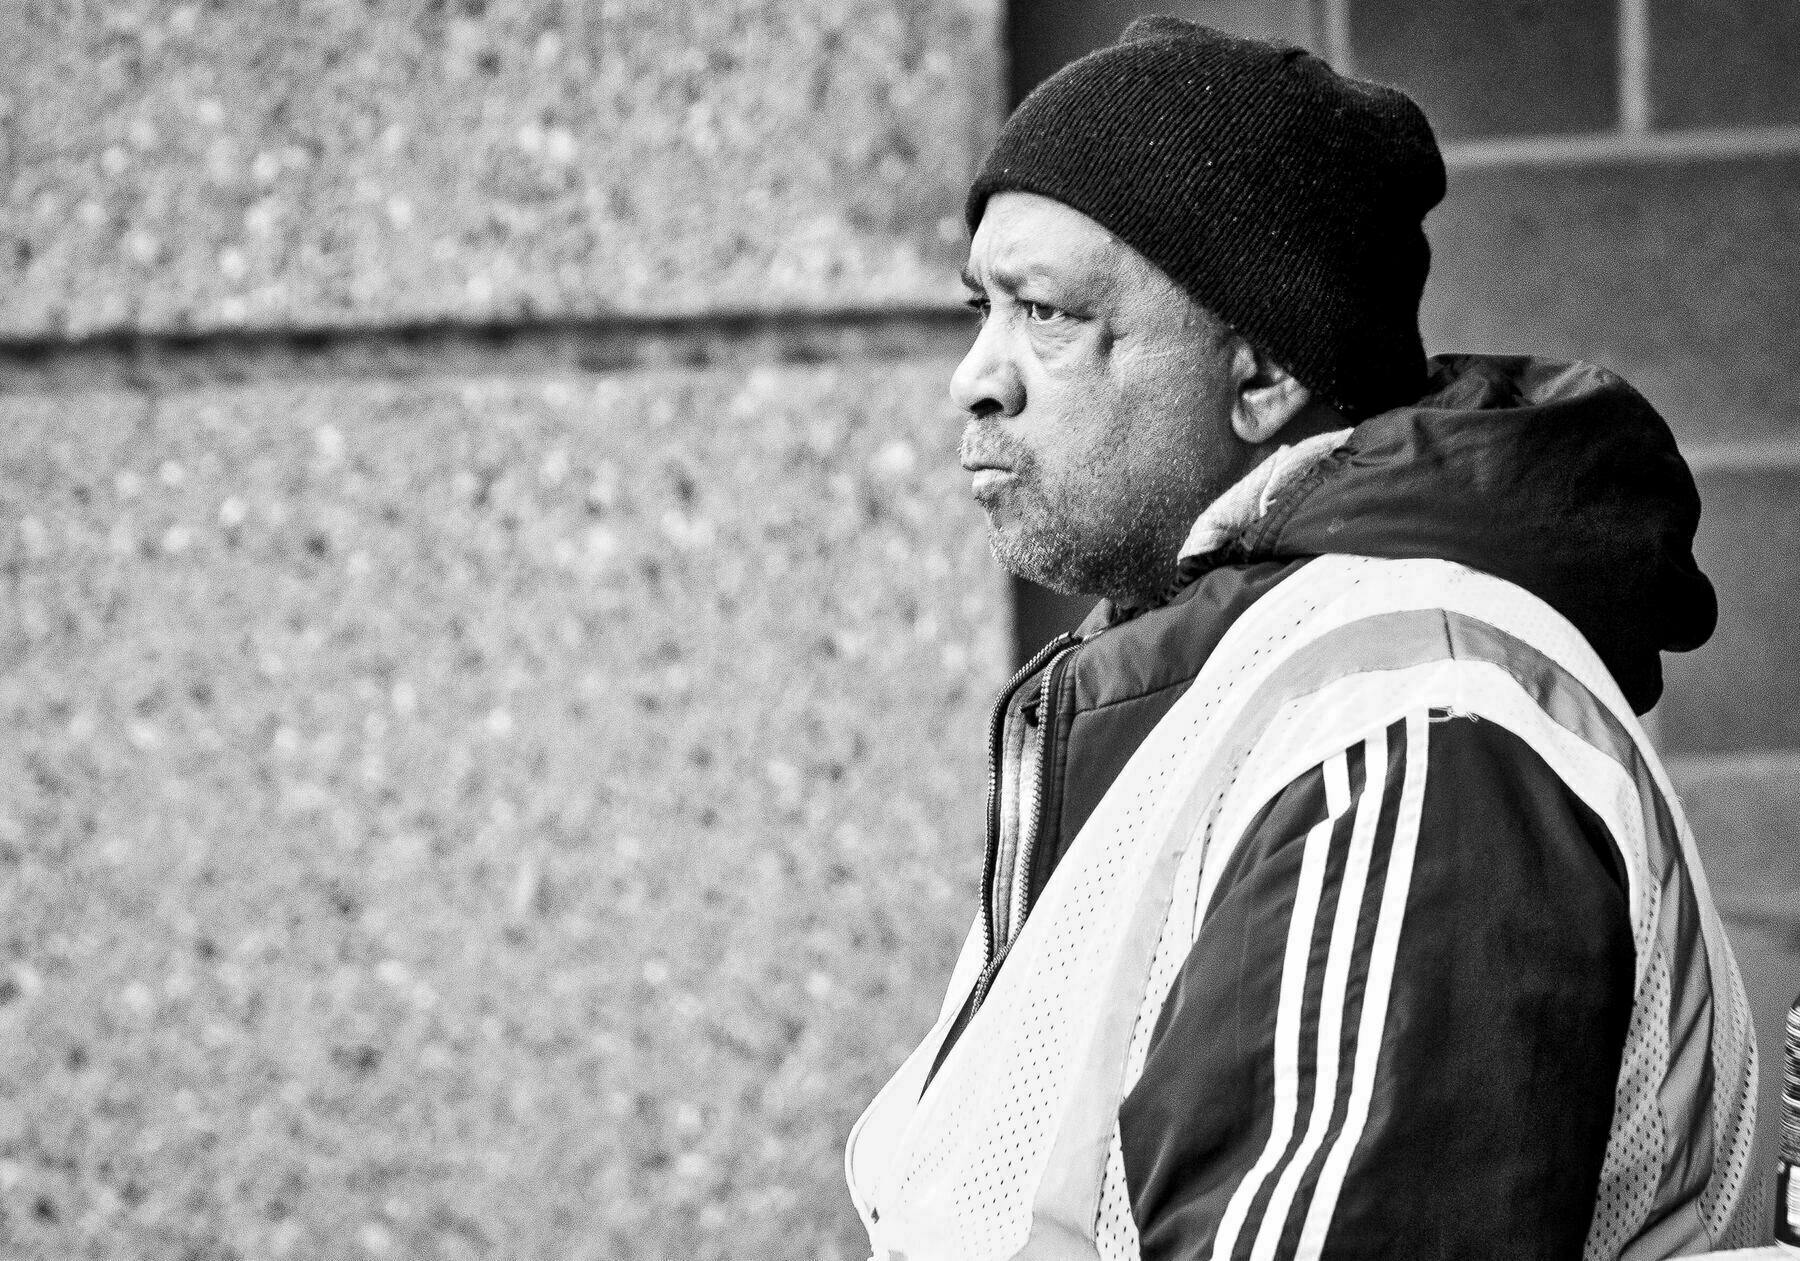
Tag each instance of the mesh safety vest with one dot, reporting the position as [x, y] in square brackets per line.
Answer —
[1013, 1150]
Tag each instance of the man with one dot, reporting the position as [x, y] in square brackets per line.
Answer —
[1335, 904]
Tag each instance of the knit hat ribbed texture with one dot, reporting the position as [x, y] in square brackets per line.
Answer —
[1285, 198]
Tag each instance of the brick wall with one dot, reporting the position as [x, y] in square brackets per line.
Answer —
[492, 636]
[1624, 188]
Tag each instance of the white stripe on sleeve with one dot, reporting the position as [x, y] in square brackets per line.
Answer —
[1293, 987]
[1380, 983]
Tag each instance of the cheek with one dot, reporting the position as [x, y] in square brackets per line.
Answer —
[1080, 429]
[1126, 449]
[1077, 442]
[1087, 476]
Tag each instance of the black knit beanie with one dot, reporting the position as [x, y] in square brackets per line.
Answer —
[1286, 199]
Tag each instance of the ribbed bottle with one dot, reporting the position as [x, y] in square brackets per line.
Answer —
[1787, 1168]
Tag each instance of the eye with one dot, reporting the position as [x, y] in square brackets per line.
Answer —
[977, 303]
[1042, 312]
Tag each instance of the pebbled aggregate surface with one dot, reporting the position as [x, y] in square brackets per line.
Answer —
[502, 818]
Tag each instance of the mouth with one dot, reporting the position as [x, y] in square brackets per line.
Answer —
[977, 463]
[987, 479]
[988, 471]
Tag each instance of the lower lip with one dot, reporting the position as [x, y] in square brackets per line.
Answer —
[988, 480]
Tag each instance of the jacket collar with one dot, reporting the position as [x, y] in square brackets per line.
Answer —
[1230, 516]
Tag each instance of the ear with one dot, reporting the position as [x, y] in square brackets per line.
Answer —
[1268, 395]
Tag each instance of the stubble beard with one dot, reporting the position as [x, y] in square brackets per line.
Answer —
[1128, 559]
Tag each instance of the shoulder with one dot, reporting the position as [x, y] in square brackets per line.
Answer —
[1474, 802]
[1385, 983]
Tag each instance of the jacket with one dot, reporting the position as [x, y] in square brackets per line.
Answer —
[1515, 1017]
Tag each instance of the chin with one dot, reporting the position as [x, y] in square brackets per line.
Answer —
[1052, 559]
[1047, 561]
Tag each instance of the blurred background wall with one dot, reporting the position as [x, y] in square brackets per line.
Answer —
[494, 643]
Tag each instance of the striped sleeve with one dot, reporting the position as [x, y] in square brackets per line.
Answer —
[1399, 1030]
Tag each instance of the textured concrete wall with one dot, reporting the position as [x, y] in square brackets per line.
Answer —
[503, 818]
[523, 814]
[177, 165]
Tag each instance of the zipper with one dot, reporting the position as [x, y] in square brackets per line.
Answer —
[996, 734]
[1028, 840]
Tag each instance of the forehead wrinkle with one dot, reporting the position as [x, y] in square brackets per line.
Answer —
[1016, 261]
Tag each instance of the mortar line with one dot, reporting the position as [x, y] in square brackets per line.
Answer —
[1739, 455]
[172, 361]
[1335, 17]
[1766, 761]
[1634, 66]
[1618, 146]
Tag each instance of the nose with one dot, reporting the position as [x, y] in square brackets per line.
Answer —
[986, 383]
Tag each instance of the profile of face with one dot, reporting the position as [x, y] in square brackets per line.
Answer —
[1100, 402]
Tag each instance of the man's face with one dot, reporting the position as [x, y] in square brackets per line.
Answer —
[1099, 400]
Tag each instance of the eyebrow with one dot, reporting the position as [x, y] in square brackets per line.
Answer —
[1005, 280]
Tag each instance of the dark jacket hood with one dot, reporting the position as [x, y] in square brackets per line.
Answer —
[1558, 477]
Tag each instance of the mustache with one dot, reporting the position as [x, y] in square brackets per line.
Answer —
[979, 450]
